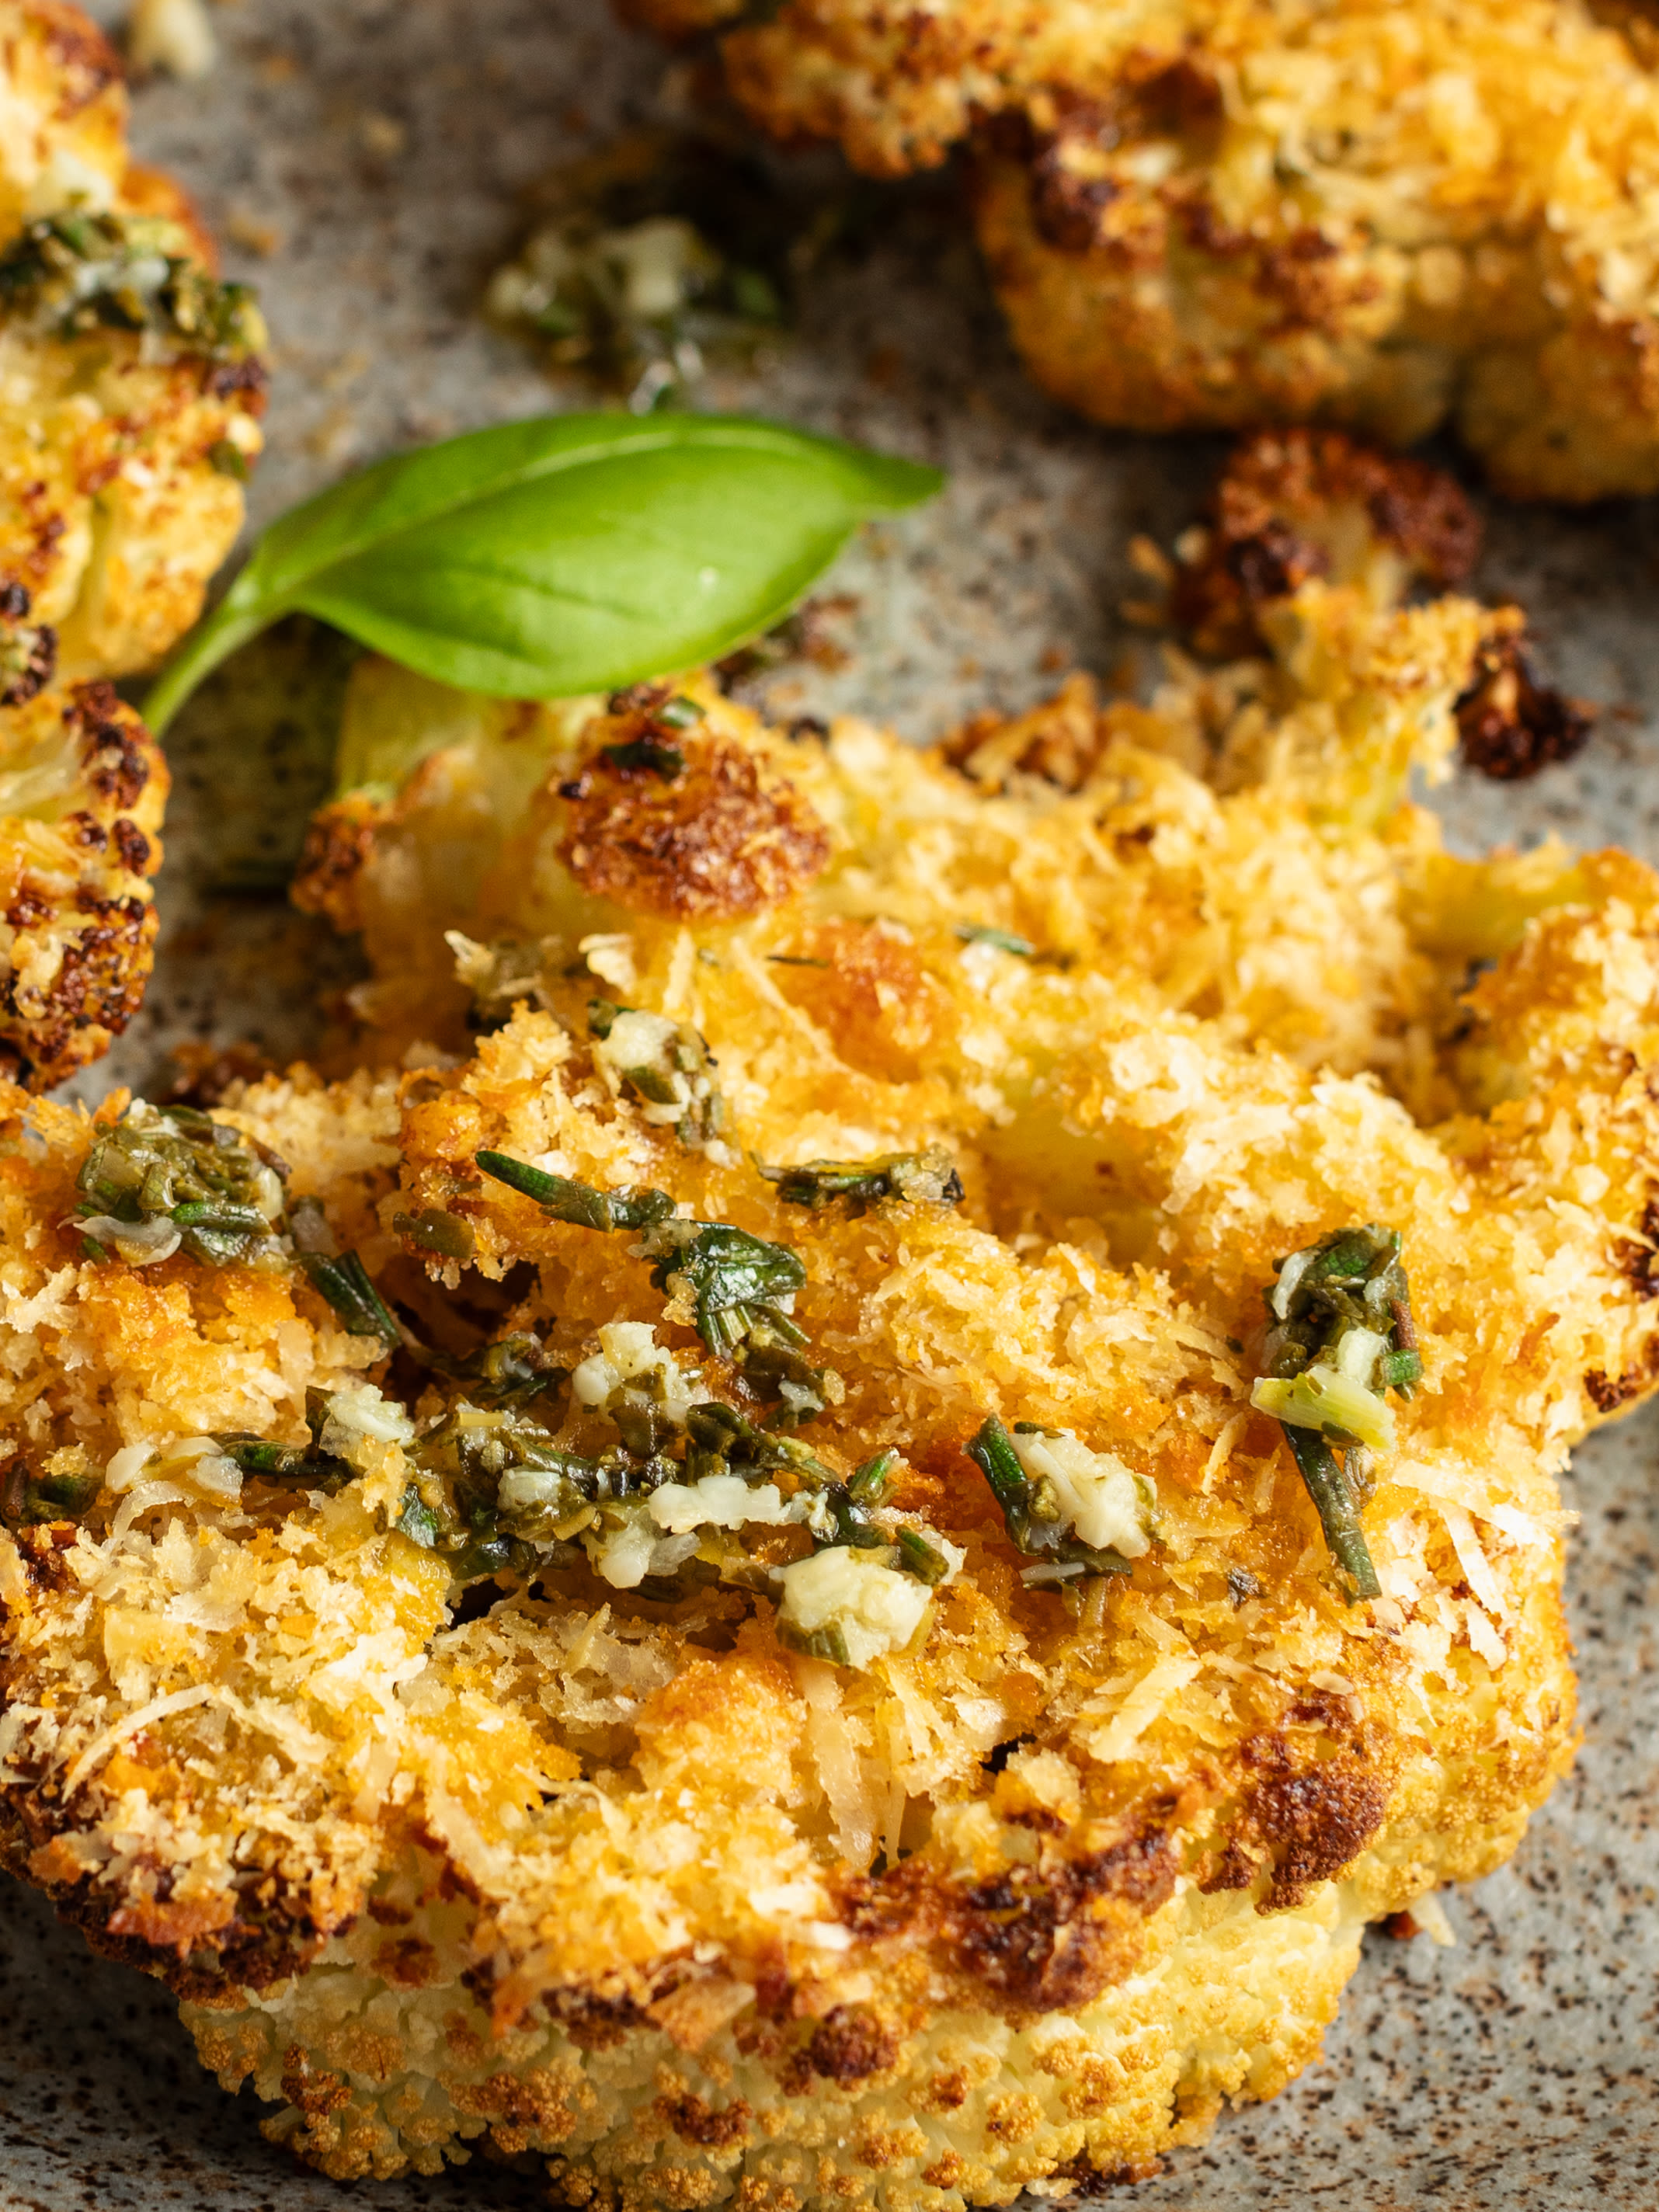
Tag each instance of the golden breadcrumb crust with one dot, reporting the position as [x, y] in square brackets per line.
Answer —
[121, 451]
[1209, 212]
[612, 1877]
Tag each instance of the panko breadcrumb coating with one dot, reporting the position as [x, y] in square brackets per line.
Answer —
[499, 1607]
[1200, 212]
[130, 384]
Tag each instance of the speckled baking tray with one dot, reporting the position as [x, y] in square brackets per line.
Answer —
[364, 158]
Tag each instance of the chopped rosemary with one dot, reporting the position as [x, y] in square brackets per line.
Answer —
[711, 1468]
[508, 1372]
[974, 932]
[737, 1282]
[922, 1178]
[169, 1178]
[1033, 1511]
[295, 1466]
[26, 1499]
[647, 756]
[343, 1279]
[1341, 1335]
[578, 1203]
[432, 1230]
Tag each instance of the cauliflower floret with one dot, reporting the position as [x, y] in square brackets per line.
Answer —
[82, 785]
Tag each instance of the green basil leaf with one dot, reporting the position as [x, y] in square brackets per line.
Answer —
[571, 553]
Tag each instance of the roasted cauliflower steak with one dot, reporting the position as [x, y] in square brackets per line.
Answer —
[130, 394]
[722, 1577]
[1200, 213]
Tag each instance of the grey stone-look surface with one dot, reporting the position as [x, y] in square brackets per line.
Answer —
[382, 144]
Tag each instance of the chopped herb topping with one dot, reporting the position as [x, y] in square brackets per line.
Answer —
[647, 756]
[740, 1285]
[28, 1499]
[578, 1203]
[679, 712]
[1341, 1335]
[343, 1279]
[667, 1067]
[974, 932]
[922, 1178]
[79, 272]
[654, 259]
[686, 1470]
[508, 1372]
[1055, 1500]
[167, 1178]
[226, 458]
[433, 1230]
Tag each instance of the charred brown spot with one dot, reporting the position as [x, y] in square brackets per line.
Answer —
[316, 2094]
[695, 2122]
[1279, 490]
[1511, 725]
[87, 831]
[28, 654]
[1639, 1263]
[247, 380]
[593, 2023]
[720, 840]
[1033, 1935]
[1065, 204]
[1314, 1816]
[30, 907]
[88, 66]
[1234, 1869]
[132, 845]
[97, 989]
[1608, 1394]
[260, 1933]
[850, 2043]
[339, 842]
[114, 747]
[408, 1962]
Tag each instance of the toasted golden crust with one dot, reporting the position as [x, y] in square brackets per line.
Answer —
[1203, 212]
[610, 1876]
[122, 450]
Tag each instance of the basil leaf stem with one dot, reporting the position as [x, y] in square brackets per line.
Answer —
[566, 554]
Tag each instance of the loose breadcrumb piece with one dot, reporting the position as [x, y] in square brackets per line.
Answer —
[1199, 213]
[380, 1662]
